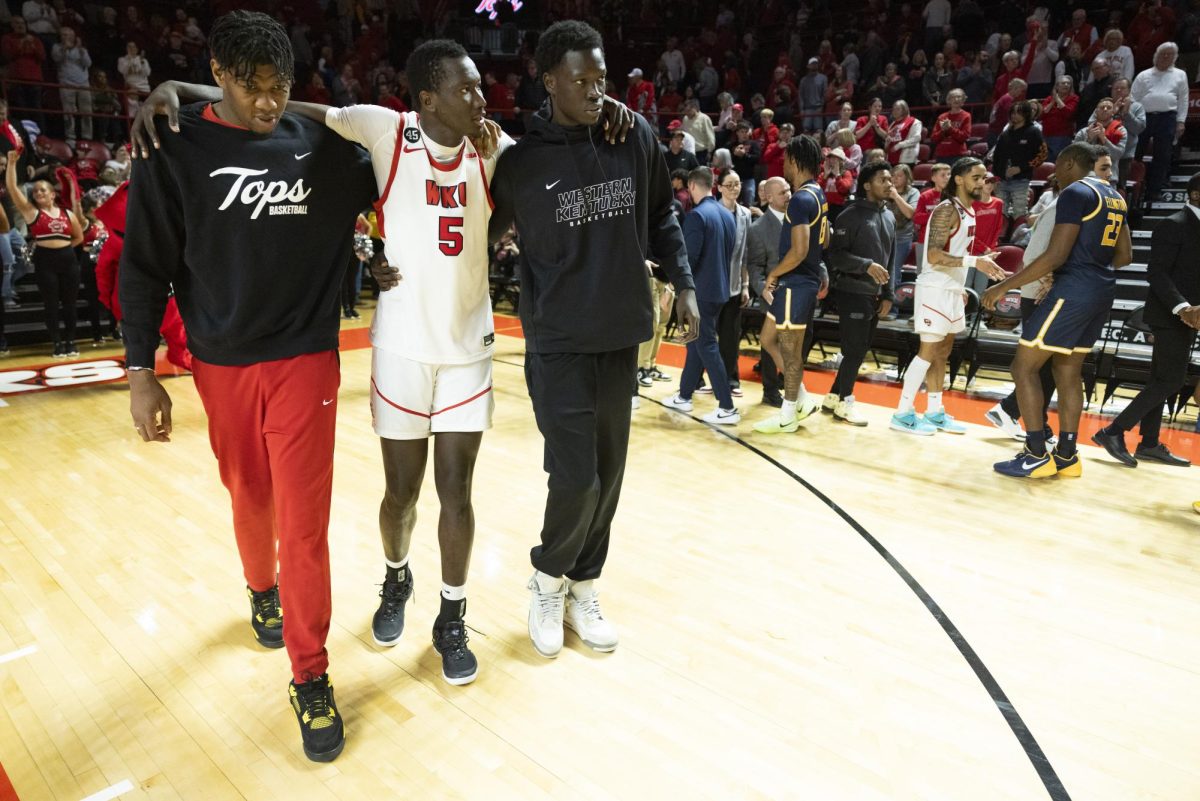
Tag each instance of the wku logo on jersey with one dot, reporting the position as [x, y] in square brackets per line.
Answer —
[447, 197]
[260, 194]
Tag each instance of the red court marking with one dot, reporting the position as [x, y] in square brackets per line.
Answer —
[7, 791]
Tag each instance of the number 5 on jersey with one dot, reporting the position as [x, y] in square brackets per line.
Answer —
[450, 238]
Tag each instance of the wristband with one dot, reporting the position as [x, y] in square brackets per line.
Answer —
[969, 261]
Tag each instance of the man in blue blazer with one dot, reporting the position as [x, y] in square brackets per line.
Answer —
[709, 232]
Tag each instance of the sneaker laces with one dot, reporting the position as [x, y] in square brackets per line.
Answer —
[589, 606]
[395, 594]
[266, 606]
[452, 637]
[550, 604]
[316, 701]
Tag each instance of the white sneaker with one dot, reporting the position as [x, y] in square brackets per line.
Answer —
[829, 403]
[637, 402]
[585, 619]
[846, 412]
[1000, 419]
[546, 613]
[678, 404]
[723, 417]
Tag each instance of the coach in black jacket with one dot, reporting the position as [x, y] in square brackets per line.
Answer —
[1173, 312]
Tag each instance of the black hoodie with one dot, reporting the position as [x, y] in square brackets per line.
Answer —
[588, 213]
[865, 234]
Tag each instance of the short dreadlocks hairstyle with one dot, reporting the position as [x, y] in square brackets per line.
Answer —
[562, 38]
[426, 66]
[806, 153]
[243, 41]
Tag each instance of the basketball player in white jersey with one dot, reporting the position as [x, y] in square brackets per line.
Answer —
[939, 308]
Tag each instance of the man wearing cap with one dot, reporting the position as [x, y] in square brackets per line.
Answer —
[689, 141]
[676, 152]
[812, 97]
[836, 181]
[640, 96]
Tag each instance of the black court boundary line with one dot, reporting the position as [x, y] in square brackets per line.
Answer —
[1041, 763]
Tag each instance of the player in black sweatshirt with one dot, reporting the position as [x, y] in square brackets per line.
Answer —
[248, 215]
[588, 213]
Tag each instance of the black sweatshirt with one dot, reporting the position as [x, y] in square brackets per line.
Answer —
[588, 213]
[1022, 148]
[252, 232]
[865, 233]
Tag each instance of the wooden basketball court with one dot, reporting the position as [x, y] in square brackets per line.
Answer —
[841, 614]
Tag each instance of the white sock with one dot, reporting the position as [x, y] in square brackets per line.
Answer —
[914, 378]
[580, 589]
[397, 565]
[935, 403]
[787, 413]
[454, 593]
[548, 583]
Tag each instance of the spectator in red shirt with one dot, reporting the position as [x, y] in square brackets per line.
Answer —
[871, 129]
[939, 176]
[387, 98]
[501, 99]
[952, 129]
[780, 78]
[773, 154]
[670, 102]
[836, 181]
[315, 90]
[1003, 107]
[989, 219]
[23, 54]
[769, 132]
[1058, 116]
[1078, 32]
[640, 95]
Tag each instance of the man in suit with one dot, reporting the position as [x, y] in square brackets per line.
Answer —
[709, 232]
[1173, 313]
[762, 254]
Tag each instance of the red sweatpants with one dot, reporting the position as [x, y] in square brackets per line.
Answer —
[271, 426]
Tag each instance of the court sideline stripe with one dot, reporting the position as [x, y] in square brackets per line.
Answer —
[1041, 763]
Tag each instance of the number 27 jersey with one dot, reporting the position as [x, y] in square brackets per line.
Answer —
[433, 211]
[1100, 212]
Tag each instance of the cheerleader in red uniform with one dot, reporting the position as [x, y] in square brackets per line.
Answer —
[112, 214]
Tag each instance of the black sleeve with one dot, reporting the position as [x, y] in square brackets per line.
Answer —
[666, 239]
[1165, 246]
[840, 254]
[152, 256]
[1000, 158]
[502, 209]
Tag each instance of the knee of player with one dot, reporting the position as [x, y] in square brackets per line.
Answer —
[581, 484]
[399, 500]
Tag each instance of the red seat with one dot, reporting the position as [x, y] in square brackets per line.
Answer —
[979, 130]
[96, 151]
[923, 153]
[54, 148]
[922, 173]
[979, 149]
[1042, 172]
[1009, 258]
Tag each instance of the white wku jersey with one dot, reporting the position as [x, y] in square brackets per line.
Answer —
[959, 244]
[433, 212]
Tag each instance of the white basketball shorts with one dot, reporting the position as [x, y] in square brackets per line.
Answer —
[411, 400]
[938, 311]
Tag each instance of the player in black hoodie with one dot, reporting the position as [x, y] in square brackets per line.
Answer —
[588, 213]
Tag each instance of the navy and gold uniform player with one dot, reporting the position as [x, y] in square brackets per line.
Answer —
[797, 281]
[1090, 239]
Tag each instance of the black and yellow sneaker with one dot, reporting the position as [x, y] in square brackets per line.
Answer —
[459, 665]
[320, 724]
[266, 617]
[388, 623]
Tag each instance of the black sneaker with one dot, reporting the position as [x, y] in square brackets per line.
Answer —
[354, 315]
[266, 617]
[321, 726]
[659, 375]
[3, 346]
[59, 350]
[70, 349]
[459, 665]
[643, 378]
[773, 399]
[388, 623]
